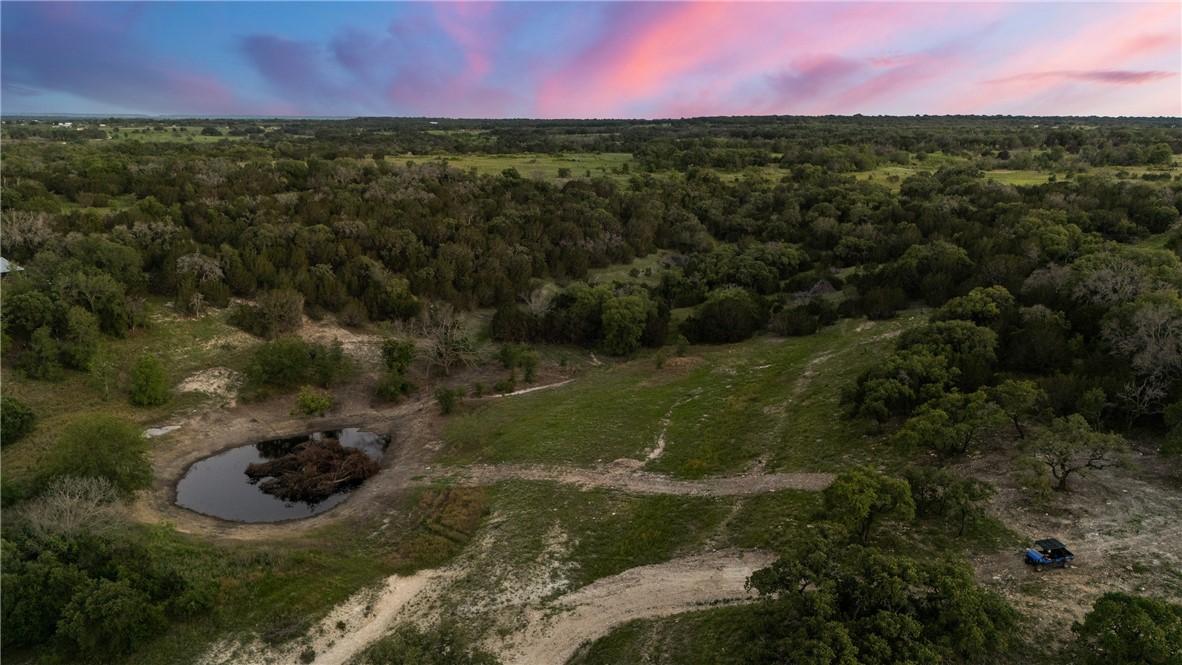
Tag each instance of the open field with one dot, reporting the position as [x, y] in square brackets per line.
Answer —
[538, 166]
[767, 402]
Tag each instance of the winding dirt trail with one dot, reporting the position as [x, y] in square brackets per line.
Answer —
[624, 477]
[553, 630]
[659, 590]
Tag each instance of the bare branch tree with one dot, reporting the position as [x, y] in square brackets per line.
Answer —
[71, 506]
[448, 340]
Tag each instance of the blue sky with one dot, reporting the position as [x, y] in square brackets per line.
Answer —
[591, 59]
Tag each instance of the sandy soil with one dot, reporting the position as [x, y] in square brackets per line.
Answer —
[221, 383]
[551, 631]
[347, 630]
[623, 475]
[557, 628]
[1123, 525]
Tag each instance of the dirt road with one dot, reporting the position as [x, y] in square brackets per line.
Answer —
[624, 477]
[659, 590]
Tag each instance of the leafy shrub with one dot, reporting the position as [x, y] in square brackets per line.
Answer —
[82, 597]
[283, 363]
[795, 322]
[101, 446]
[328, 362]
[1122, 629]
[290, 361]
[818, 602]
[510, 355]
[393, 386]
[313, 402]
[16, 420]
[149, 382]
[441, 644]
[728, 315]
[42, 358]
[398, 354]
[507, 384]
[275, 313]
[448, 398]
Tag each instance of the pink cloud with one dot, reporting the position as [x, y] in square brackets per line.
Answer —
[744, 57]
[1120, 45]
[1118, 77]
[470, 25]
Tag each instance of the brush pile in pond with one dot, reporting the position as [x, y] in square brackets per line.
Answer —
[313, 471]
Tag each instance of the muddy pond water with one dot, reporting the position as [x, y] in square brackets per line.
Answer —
[219, 487]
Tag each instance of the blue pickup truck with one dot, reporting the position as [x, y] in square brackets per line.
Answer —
[1048, 553]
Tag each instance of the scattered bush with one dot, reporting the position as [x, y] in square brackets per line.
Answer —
[16, 420]
[149, 382]
[441, 644]
[448, 398]
[313, 402]
[507, 384]
[393, 387]
[101, 446]
[398, 354]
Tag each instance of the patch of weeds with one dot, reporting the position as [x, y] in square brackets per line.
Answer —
[1135, 524]
[718, 636]
[607, 532]
[771, 521]
[1034, 588]
[283, 628]
[437, 526]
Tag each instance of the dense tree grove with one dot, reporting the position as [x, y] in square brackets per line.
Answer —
[834, 604]
[1052, 316]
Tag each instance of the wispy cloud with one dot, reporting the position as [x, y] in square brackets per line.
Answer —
[92, 52]
[1115, 76]
[620, 59]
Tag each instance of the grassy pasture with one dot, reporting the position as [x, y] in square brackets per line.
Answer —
[621, 273]
[767, 399]
[706, 637]
[173, 134]
[539, 166]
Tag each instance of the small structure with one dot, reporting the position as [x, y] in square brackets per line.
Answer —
[6, 267]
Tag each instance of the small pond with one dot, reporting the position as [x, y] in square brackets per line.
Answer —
[219, 487]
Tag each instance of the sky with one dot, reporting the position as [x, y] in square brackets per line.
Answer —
[618, 59]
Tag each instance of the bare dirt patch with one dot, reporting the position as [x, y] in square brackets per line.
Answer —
[363, 347]
[347, 630]
[629, 479]
[221, 383]
[1123, 525]
[554, 630]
